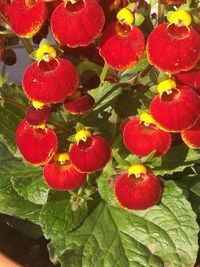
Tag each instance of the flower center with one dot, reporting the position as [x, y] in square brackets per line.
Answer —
[37, 105]
[45, 52]
[137, 170]
[82, 135]
[147, 119]
[180, 18]
[62, 158]
[125, 16]
[74, 5]
[166, 86]
[48, 66]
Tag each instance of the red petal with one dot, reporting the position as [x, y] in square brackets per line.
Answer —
[173, 2]
[92, 155]
[192, 136]
[80, 105]
[37, 116]
[121, 51]
[137, 193]
[142, 140]
[190, 78]
[25, 20]
[50, 84]
[171, 54]
[37, 146]
[77, 27]
[178, 111]
[63, 177]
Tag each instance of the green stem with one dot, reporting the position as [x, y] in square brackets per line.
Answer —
[160, 12]
[118, 158]
[104, 72]
[6, 34]
[27, 45]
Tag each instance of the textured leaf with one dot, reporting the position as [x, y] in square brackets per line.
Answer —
[11, 113]
[9, 120]
[165, 235]
[10, 202]
[176, 160]
[29, 182]
[57, 218]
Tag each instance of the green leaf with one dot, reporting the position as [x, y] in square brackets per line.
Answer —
[176, 160]
[105, 96]
[190, 184]
[29, 182]
[139, 19]
[11, 114]
[14, 92]
[10, 202]
[131, 6]
[196, 188]
[165, 235]
[57, 218]
[88, 65]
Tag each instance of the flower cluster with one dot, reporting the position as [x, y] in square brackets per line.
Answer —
[108, 32]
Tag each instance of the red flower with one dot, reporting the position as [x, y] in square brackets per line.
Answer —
[173, 2]
[50, 82]
[190, 78]
[137, 189]
[174, 47]
[61, 174]
[91, 152]
[121, 46]
[141, 136]
[175, 108]
[77, 24]
[37, 114]
[27, 17]
[192, 136]
[79, 104]
[36, 145]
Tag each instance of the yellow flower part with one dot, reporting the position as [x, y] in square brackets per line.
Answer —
[45, 51]
[180, 17]
[147, 118]
[61, 157]
[125, 16]
[41, 126]
[37, 104]
[82, 135]
[137, 169]
[166, 85]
